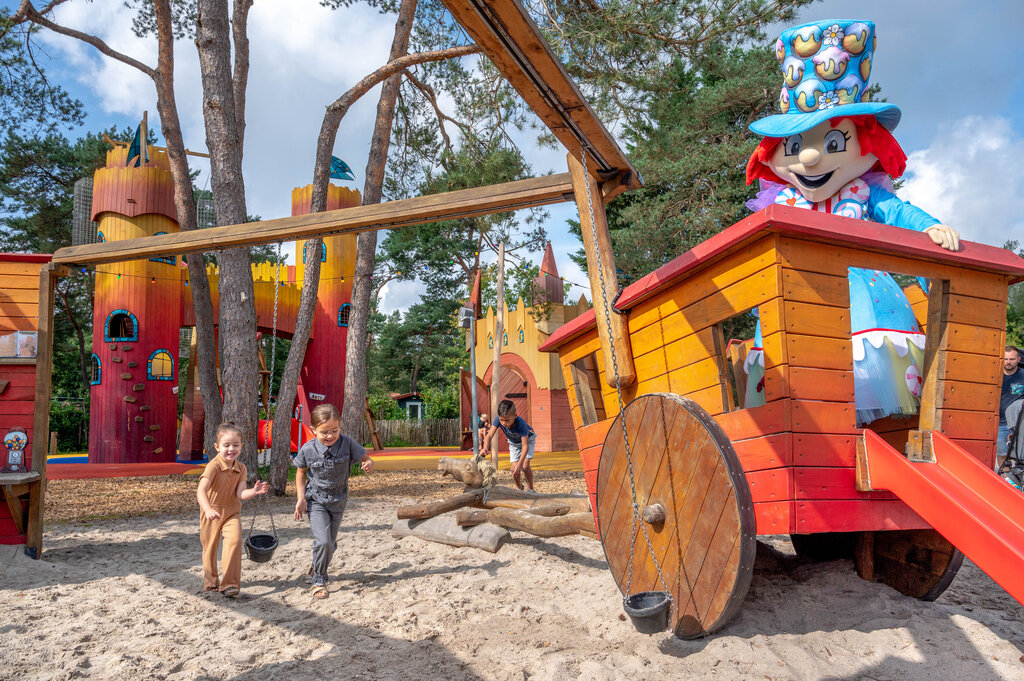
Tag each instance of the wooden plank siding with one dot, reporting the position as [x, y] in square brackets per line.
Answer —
[19, 311]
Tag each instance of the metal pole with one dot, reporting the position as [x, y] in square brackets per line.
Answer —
[474, 423]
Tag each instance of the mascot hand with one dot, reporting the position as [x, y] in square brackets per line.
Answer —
[944, 236]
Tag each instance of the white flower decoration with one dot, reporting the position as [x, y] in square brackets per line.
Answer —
[828, 100]
[833, 35]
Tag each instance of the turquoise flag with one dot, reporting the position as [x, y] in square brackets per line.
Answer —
[340, 170]
[138, 152]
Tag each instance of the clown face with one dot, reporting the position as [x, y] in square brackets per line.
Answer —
[820, 161]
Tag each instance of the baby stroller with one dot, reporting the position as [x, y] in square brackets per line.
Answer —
[1012, 468]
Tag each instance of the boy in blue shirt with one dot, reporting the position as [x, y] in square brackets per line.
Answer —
[515, 429]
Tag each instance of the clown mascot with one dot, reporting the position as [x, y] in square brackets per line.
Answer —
[831, 152]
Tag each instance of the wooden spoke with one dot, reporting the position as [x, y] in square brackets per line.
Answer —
[705, 547]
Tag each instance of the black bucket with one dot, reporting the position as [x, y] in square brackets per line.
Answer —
[260, 547]
[648, 610]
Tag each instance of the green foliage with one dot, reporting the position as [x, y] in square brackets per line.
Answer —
[70, 420]
[441, 403]
[1015, 304]
[384, 408]
[29, 103]
[692, 155]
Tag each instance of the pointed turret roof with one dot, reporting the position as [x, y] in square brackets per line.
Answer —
[547, 265]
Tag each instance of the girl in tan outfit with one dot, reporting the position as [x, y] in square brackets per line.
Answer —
[222, 488]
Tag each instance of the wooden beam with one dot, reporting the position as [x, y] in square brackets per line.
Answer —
[537, 191]
[919, 441]
[41, 414]
[611, 326]
[506, 34]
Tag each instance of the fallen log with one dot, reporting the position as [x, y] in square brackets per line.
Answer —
[443, 530]
[468, 517]
[435, 508]
[471, 517]
[463, 470]
[540, 526]
[573, 504]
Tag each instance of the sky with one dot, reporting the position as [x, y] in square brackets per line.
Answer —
[953, 67]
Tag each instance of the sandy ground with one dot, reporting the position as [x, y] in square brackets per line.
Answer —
[121, 598]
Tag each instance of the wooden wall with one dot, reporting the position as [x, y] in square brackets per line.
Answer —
[19, 305]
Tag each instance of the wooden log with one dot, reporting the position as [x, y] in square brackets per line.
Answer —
[471, 517]
[434, 508]
[558, 526]
[507, 497]
[463, 470]
[443, 530]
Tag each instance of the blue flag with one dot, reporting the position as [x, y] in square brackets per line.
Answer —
[138, 152]
[340, 170]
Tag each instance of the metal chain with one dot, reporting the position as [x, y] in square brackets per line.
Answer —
[273, 341]
[622, 409]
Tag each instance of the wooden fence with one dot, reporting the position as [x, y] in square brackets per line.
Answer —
[416, 433]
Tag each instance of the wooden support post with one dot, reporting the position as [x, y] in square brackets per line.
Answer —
[371, 424]
[41, 416]
[600, 255]
[499, 330]
[919, 442]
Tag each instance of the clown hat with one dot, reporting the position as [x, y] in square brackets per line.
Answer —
[825, 69]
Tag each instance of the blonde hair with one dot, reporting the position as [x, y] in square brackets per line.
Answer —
[226, 427]
[322, 413]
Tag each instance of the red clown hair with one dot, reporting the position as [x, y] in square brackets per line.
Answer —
[873, 139]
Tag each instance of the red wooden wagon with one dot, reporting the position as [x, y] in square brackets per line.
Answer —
[710, 475]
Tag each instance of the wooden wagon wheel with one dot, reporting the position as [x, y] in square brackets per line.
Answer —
[706, 542]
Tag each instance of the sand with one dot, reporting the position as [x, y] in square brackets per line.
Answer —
[121, 598]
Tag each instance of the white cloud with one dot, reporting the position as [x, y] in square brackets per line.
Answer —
[970, 178]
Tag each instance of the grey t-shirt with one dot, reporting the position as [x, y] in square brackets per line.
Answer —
[327, 468]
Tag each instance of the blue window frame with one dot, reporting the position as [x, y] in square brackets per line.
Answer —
[521, 337]
[504, 339]
[121, 326]
[102, 239]
[170, 260]
[343, 313]
[490, 342]
[160, 366]
[97, 370]
[323, 252]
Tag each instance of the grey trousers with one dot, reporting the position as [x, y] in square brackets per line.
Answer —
[325, 521]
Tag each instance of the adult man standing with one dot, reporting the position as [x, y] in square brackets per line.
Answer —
[1013, 390]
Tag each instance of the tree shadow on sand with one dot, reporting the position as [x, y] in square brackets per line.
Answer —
[354, 652]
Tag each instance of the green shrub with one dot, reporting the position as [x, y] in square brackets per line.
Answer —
[71, 422]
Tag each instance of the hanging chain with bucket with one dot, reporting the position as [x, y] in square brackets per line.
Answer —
[649, 610]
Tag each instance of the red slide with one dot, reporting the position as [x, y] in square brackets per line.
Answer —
[966, 502]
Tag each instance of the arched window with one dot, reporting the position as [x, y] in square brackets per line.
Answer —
[522, 338]
[504, 339]
[323, 252]
[343, 312]
[121, 326]
[160, 366]
[490, 342]
[170, 259]
[102, 239]
[97, 370]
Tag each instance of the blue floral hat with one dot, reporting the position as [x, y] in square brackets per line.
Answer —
[825, 69]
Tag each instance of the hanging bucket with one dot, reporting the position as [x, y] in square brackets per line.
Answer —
[648, 610]
[260, 547]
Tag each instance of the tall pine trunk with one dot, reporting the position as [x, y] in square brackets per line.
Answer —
[366, 243]
[237, 317]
